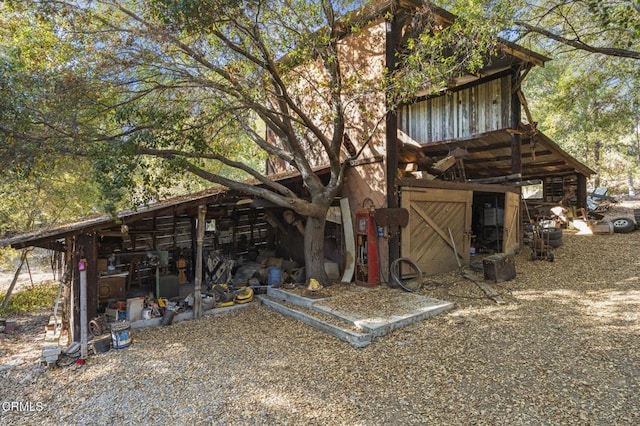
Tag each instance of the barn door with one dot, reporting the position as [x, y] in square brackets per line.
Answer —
[511, 239]
[432, 213]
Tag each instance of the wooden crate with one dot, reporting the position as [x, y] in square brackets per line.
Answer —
[499, 267]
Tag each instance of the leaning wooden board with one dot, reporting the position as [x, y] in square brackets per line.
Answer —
[349, 241]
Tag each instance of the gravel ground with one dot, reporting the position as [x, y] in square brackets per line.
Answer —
[564, 349]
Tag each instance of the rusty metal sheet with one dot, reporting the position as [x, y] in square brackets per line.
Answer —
[391, 218]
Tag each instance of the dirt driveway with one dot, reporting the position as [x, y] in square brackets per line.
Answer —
[564, 349]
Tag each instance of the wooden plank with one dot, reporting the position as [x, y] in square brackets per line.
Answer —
[349, 239]
[511, 231]
[433, 225]
[410, 184]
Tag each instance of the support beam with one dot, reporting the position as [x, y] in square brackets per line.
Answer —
[82, 269]
[392, 136]
[197, 303]
[92, 277]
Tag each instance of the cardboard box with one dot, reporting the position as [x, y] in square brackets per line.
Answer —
[134, 308]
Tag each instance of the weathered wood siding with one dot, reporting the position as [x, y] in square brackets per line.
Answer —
[459, 114]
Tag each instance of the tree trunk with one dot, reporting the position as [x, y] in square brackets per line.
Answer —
[596, 159]
[314, 249]
[23, 258]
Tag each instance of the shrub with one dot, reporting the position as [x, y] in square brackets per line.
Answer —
[31, 298]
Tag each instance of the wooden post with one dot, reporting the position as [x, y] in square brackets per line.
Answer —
[392, 139]
[92, 277]
[83, 244]
[82, 269]
[153, 234]
[197, 302]
[581, 192]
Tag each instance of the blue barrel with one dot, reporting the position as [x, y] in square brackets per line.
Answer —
[275, 276]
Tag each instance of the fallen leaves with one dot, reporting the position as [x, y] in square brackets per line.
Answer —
[564, 349]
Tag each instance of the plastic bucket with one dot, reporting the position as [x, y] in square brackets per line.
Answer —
[102, 344]
[121, 336]
[167, 318]
[275, 276]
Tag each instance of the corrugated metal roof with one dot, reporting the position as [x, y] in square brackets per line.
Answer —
[47, 235]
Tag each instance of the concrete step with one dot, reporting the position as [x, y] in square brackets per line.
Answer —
[382, 325]
[356, 339]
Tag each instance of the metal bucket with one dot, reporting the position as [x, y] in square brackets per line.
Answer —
[121, 336]
[101, 344]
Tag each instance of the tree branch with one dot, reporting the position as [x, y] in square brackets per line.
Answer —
[577, 44]
[172, 153]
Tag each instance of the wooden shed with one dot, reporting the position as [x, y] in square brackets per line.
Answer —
[179, 246]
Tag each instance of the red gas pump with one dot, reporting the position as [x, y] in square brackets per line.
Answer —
[366, 249]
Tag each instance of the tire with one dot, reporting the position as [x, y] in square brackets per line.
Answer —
[407, 285]
[623, 225]
[552, 234]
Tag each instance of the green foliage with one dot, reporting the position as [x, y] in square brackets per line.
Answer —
[437, 53]
[590, 105]
[31, 299]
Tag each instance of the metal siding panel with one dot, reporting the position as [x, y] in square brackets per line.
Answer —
[464, 113]
[429, 136]
[456, 114]
[486, 104]
[496, 104]
[441, 118]
[433, 114]
[505, 102]
[425, 119]
[482, 110]
[451, 133]
[473, 111]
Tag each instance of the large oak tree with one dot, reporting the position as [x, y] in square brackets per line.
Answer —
[196, 84]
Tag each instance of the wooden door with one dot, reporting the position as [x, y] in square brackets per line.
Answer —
[511, 234]
[432, 214]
